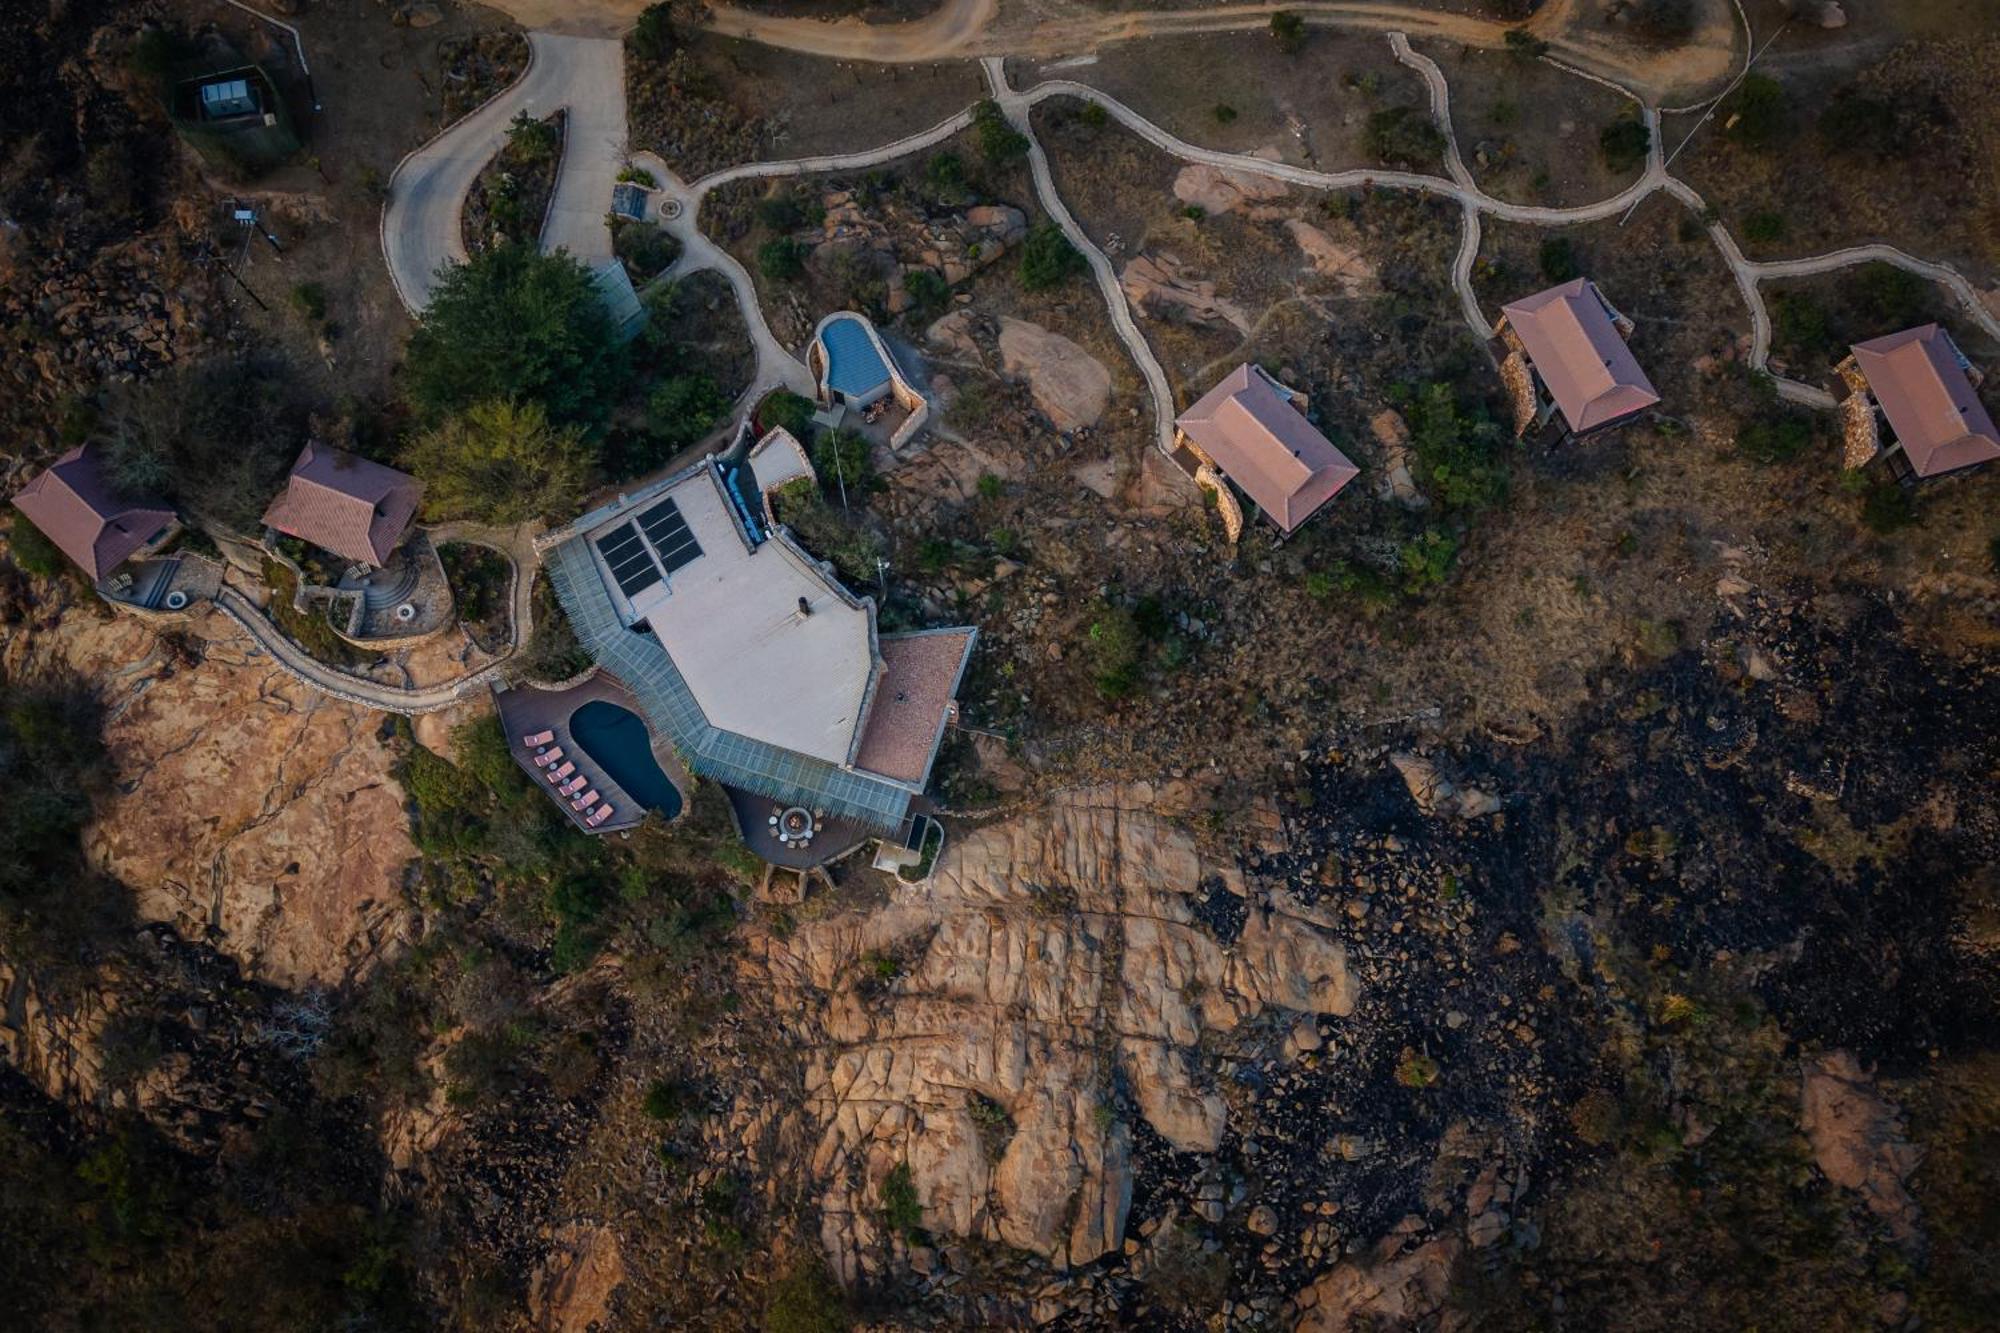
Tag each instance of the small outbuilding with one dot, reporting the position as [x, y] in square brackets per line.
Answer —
[358, 510]
[78, 510]
[1927, 391]
[1564, 350]
[232, 112]
[1252, 430]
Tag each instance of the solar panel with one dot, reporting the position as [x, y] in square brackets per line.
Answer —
[668, 531]
[630, 562]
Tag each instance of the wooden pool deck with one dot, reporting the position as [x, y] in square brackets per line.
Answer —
[528, 710]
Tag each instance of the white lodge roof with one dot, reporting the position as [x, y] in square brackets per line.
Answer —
[755, 662]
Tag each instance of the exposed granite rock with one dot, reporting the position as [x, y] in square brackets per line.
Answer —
[1223, 190]
[1344, 262]
[246, 810]
[1398, 1285]
[1070, 386]
[1034, 939]
[1857, 1138]
[1158, 285]
[571, 1291]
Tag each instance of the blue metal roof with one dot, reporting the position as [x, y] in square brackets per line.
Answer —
[638, 659]
[853, 366]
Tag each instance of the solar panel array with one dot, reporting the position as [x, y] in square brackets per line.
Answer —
[668, 531]
[631, 564]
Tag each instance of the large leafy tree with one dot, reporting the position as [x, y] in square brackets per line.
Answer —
[520, 326]
[500, 462]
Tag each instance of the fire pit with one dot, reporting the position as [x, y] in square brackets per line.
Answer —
[795, 825]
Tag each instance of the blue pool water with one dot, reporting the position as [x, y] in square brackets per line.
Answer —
[615, 740]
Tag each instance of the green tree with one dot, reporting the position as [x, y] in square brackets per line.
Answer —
[654, 36]
[517, 325]
[1047, 258]
[531, 141]
[784, 409]
[1116, 644]
[500, 462]
[1288, 30]
[1624, 144]
[684, 408]
[1458, 452]
[999, 142]
[781, 260]
[1558, 259]
[1427, 560]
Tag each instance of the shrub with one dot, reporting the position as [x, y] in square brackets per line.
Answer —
[786, 210]
[782, 260]
[1288, 30]
[1404, 136]
[1048, 259]
[1888, 296]
[665, 1099]
[1624, 143]
[1775, 439]
[531, 141]
[1856, 123]
[1886, 506]
[1525, 45]
[928, 291]
[1558, 259]
[1427, 560]
[1799, 325]
[1458, 452]
[1194, 212]
[999, 142]
[1764, 226]
[500, 462]
[946, 174]
[645, 249]
[783, 409]
[1115, 646]
[684, 408]
[844, 458]
[806, 1300]
[33, 553]
[654, 36]
[1762, 112]
[1095, 115]
[1224, 113]
[901, 1209]
[520, 326]
[1415, 1069]
[309, 299]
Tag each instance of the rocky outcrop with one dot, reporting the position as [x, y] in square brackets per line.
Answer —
[1436, 794]
[1044, 954]
[1218, 190]
[1857, 1137]
[1392, 433]
[246, 809]
[571, 1291]
[1339, 260]
[1400, 1282]
[1159, 285]
[1069, 385]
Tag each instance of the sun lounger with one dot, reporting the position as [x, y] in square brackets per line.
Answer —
[558, 774]
[544, 760]
[599, 815]
[576, 784]
[539, 738]
[585, 801]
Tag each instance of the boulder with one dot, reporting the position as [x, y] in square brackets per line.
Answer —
[1341, 261]
[1069, 385]
[1398, 1285]
[1858, 1140]
[1392, 434]
[1217, 190]
[570, 1291]
[1159, 286]
[1437, 795]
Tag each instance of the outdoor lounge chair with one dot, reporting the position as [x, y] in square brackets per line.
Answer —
[585, 801]
[576, 784]
[538, 738]
[558, 774]
[544, 760]
[599, 815]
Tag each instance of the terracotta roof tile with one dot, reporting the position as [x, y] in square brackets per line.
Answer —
[1919, 379]
[76, 509]
[1248, 426]
[913, 702]
[345, 504]
[1589, 371]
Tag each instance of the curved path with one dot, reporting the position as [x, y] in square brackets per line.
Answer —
[423, 218]
[976, 27]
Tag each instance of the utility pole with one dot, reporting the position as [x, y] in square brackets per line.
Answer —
[1720, 98]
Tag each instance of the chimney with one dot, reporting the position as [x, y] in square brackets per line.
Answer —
[805, 608]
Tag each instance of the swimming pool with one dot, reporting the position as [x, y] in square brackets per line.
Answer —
[615, 740]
